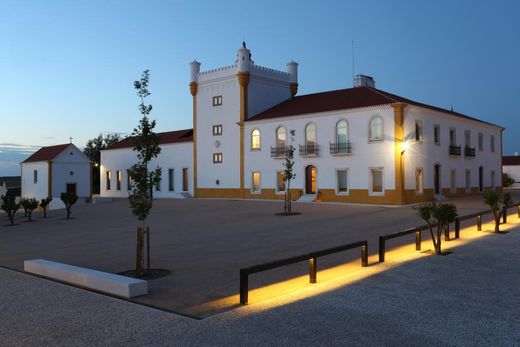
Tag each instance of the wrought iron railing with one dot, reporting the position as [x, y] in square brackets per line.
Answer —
[278, 152]
[455, 150]
[340, 148]
[469, 151]
[309, 150]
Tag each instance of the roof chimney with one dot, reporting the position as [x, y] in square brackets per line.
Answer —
[364, 81]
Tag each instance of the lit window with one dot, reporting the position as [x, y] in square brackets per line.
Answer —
[418, 131]
[468, 181]
[342, 181]
[376, 129]
[492, 143]
[109, 178]
[217, 130]
[480, 142]
[280, 137]
[376, 177]
[419, 181]
[217, 158]
[35, 176]
[280, 181]
[453, 181]
[255, 139]
[119, 178]
[217, 100]
[437, 134]
[255, 182]
[310, 134]
[170, 180]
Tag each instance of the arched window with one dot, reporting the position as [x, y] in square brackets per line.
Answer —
[310, 134]
[255, 139]
[280, 137]
[376, 129]
[341, 132]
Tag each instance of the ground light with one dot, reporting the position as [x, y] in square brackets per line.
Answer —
[299, 288]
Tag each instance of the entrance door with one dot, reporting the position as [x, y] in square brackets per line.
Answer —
[437, 178]
[71, 188]
[185, 179]
[480, 179]
[310, 179]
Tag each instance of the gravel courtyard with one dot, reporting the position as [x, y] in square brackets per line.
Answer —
[204, 243]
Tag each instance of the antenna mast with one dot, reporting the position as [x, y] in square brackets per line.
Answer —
[352, 63]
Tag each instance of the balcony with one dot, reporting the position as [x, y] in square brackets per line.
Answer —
[469, 152]
[340, 148]
[455, 150]
[278, 152]
[309, 150]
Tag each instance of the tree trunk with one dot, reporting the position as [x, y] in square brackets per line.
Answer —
[497, 220]
[45, 212]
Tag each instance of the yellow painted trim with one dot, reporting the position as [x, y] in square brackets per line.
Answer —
[399, 158]
[243, 80]
[193, 90]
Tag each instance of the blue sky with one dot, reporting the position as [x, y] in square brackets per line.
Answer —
[67, 67]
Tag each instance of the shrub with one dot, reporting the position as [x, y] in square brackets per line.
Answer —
[68, 199]
[10, 206]
[44, 203]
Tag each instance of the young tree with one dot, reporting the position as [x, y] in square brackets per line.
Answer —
[288, 175]
[440, 215]
[68, 199]
[93, 150]
[30, 205]
[44, 203]
[146, 144]
[9, 206]
[23, 205]
[498, 202]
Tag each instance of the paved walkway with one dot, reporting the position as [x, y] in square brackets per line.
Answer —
[468, 298]
[204, 243]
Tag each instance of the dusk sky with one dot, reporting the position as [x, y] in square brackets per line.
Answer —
[67, 67]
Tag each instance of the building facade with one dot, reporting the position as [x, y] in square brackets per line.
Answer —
[360, 144]
[511, 167]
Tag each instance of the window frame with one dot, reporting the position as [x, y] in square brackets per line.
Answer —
[480, 142]
[315, 134]
[259, 148]
[259, 191]
[437, 130]
[218, 158]
[108, 180]
[492, 143]
[454, 136]
[376, 140]
[281, 127]
[171, 179]
[119, 178]
[467, 183]
[35, 176]
[217, 100]
[128, 180]
[371, 185]
[418, 127]
[336, 132]
[421, 181]
[277, 182]
[467, 138]
[338, 191]
[217, 130]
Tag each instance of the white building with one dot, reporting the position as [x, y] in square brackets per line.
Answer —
[511, 167]
[53, 170]
[359, 144]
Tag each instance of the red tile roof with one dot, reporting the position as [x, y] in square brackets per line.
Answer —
[511, 160]
[342, 99]
[47, 153]
[176, 136]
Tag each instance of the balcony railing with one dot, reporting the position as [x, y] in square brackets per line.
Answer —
[455, 150]
[310, 150]
[469, 151]
[278, 152]
[340, 148]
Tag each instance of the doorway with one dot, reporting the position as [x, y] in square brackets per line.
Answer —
[71, 188]
[437, 178]
[310, 179]
[480, 179]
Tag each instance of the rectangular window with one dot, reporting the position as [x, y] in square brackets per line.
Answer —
[280, 181]
[128, 181]
[158, 186]
[453, 181]
[342, 181]
[492, 143]
[185, 186]
[170, 180]
[419, 181]
[217, 158]
[119, 178]
[376, 178]
[217, 130]
[437, 134]
[35, 176]
[255, 182]
[109, 178]
[467, 138]
[480, 142]
[493, 180]
[468, 180]
[217, 100]
[418, 131]
[453, 137]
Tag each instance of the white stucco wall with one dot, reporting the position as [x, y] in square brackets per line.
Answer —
[426, 154]
[71, 166]
[38, 190]
[174, 156]
[365, 155]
